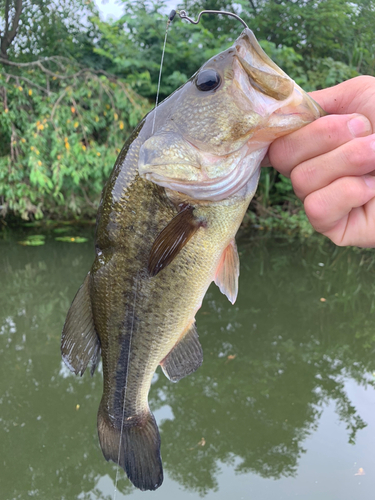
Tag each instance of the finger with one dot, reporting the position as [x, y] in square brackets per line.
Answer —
[356, 157]
[353, 96]
[266, 161]
[317, 138]
[357, 228]
[328, 209]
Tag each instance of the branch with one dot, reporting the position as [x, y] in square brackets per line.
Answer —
[6, 17]
[87, 199]
[81, 120]
[43, 68]
[82, 71]
[30, 82]
[57, 103]
[9, 35]
[55, 59]
[58, 59]
[253, 6]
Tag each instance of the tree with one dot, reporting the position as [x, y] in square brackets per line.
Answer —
[11, 25]
[62, 121]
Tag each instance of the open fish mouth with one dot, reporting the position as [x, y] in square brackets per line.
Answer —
[269, 89]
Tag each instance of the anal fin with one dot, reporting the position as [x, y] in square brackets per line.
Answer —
[185, 357]
[227, 272]
[80, 343]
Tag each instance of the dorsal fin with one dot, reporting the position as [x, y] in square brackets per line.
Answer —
[79, 341]
[171, 240]
[185, 357]
[228, 270]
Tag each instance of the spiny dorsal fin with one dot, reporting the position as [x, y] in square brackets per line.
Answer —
[171, 240]
[79, 341]
[227, 272]
[185, 357]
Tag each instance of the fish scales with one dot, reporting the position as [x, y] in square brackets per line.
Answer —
[166, 229]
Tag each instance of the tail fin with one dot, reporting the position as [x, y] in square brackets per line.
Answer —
[139, 453]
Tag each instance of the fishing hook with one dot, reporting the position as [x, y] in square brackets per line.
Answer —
[183, 15]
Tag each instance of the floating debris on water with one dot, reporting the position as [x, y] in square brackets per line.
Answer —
[71, 239]
[360, 472]
[34, 240]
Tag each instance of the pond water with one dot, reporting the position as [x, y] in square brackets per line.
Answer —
[283, 406]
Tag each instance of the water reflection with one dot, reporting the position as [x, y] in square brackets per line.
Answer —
[301, 327]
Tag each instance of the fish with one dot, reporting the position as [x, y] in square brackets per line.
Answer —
[166, 229]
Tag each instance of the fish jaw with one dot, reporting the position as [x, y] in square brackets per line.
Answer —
[210, 177]
[269, 92]
[245, 175]
[256, 104]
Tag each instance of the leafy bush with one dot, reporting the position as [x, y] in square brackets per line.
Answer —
[61, 129]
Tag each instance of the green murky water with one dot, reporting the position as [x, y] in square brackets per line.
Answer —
[282, 408]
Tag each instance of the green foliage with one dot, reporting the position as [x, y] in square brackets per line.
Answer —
[318, 29]
[73, 86]
[34, 240]
[46, 28]
[61, 129]
[132, 47]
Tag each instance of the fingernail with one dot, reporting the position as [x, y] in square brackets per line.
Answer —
[370, 181]
[359, 126]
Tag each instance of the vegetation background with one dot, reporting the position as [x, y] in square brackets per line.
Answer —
[73, 86]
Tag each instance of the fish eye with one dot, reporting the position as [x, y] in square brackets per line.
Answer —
[207, 79]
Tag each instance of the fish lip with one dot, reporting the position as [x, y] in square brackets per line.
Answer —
[292, 102]
[307, 106]
[253, 53]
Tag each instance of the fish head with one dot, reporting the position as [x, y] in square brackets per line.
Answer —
[211, 135]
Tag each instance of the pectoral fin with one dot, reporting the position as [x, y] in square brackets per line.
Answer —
[79, 341]
[227, 273]
[185, 357]
[172, 239]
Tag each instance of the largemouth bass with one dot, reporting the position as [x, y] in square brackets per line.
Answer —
[166, 229]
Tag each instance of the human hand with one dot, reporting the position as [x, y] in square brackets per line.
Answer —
[331, 163]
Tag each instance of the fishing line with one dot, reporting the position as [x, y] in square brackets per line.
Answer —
[126, 384]
[183, 15]
[170, 19]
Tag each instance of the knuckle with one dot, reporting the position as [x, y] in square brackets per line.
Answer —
[281, 153]
[302, 178]
[366, 81]
[316, 209]
[353, 190]
[350, 188]
[332, 128]
[354, 154]
[338, 239]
